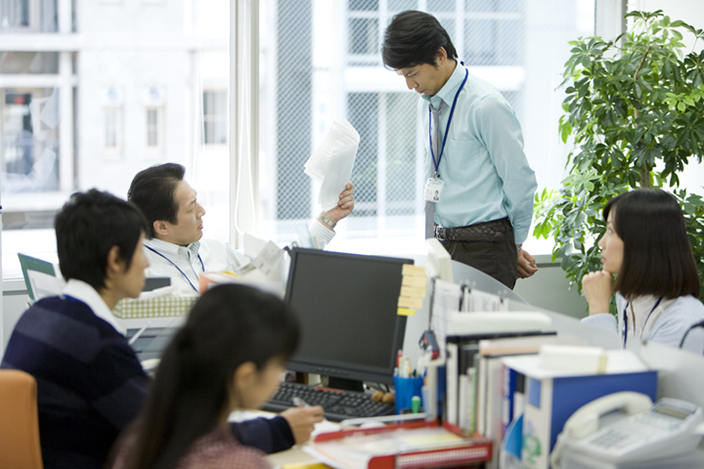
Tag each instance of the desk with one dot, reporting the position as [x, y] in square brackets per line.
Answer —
[295, 455]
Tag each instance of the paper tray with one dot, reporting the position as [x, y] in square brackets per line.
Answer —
[408, 445]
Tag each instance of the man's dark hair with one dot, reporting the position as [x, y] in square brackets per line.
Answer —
[153, 190]
[657, 257]
[87, 228]
[415, 38]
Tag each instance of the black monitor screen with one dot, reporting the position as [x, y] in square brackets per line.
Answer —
[347, 307]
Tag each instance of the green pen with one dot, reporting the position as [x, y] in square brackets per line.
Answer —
[415, 404]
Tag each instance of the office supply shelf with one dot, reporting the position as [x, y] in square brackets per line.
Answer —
[337, 404]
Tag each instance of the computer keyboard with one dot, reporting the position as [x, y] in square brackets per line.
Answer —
[337, 404]
[151, 342]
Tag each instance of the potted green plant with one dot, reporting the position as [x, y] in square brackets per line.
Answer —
[635, 114]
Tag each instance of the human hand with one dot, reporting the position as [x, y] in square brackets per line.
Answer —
[302, 421]
[526, 264]
[345, 205]
[598, 288]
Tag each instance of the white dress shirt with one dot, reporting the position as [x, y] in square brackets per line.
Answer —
[81, 291]
[183, 264]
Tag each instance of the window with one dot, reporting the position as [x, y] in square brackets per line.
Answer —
[77, 114]
[28, 16]
[155, 128]
[215, 117]
[113, 130]
[322, 63]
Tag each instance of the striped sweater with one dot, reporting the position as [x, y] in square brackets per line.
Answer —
[89, 381]
[90, 385]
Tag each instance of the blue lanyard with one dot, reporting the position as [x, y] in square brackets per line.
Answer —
[436, 163]
[177, 267]
[625, 320]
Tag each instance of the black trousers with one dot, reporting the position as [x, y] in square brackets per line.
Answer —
[489, 247]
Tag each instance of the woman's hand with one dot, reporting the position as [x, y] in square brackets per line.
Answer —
[598, 288]
[302, 421]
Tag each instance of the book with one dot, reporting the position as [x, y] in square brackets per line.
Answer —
[461, 352]
[521, 345]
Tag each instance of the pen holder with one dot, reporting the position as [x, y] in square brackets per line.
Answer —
[405, 389]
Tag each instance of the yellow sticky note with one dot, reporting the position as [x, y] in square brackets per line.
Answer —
[410, 269]
[406, 312]
[411, 281]
[416, 292]
[406, 302]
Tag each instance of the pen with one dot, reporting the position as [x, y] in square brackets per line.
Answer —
[298, 402]
[138, 333]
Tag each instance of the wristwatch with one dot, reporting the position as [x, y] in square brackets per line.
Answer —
[327, 221]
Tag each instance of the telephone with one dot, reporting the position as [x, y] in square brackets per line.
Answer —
[665, 429]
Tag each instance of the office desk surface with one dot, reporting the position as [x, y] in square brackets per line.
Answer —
[294, 456]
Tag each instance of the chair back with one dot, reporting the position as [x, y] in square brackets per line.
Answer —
[19, 421]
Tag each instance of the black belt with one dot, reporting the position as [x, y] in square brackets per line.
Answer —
[491, 231]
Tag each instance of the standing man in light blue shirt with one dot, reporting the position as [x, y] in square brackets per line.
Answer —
[480, 188]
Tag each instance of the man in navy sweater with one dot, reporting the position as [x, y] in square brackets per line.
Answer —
[90, 383]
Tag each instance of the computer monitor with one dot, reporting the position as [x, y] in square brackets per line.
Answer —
[347, 307]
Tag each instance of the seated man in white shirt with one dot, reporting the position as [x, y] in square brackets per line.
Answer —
[176, 249]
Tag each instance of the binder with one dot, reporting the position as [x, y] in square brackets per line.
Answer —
[461, 451]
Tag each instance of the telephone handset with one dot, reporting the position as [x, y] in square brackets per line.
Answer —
[649, 431]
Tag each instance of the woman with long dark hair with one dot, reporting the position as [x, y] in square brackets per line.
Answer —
[657, 283]
[229, 355]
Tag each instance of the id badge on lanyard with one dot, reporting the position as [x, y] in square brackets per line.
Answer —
[433, 190]
[434, 185]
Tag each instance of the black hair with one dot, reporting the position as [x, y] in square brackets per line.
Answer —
[88, 226]
[415, 38]
[228, 326]
[657, 256]
[153, 190]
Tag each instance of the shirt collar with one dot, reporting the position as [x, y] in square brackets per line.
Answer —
[447, 92]
[174, 250]
[81, 291]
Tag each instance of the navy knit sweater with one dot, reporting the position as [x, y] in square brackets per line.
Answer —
[91, 385]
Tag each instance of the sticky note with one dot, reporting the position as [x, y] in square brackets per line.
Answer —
[406, 302]
[412, 281]
[416, 292]
[409, 269]
[406, 312]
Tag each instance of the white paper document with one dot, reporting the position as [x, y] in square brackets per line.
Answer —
[332, 162]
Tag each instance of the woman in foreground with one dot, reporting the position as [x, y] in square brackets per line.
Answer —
[228, 356]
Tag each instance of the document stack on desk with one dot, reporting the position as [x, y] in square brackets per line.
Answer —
[416, 444]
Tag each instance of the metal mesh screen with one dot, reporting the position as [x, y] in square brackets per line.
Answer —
[293, 107]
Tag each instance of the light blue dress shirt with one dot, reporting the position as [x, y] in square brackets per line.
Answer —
[486, 173]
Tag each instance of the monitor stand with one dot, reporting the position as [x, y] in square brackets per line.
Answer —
[345, 384]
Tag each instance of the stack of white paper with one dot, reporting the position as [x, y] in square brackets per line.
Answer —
[331, 163]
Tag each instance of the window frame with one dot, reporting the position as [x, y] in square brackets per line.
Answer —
[115, 151]
[158, 128]
[213, 118]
